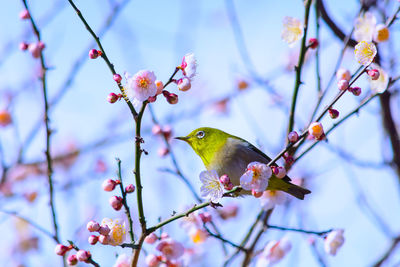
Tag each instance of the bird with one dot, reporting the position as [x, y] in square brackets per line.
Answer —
[230, 155]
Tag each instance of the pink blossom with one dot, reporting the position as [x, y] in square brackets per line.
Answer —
[152, 260]
[24, 14]
[170, 248]
[293, 137]
[151, 238]
[108, 185]
[159, 86]
[141, 85]
[93, 239]
[117, 78]
[343, 74]
[274, 252]
[256, 177]
[104, 239]
[123, 260]
[270, 198]
[184, 84]
[189, 65]
[72, 260]
[130, 188]
[343, 84]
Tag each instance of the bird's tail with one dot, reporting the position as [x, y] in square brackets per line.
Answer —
[292, 189]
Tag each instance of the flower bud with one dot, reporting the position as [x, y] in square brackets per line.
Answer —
[313, 43]
[293, 137]
[115, 202]
[172, 98]
[374, 74]
[152, 260]
[93, 53]
[224, 179]
[23, 46]
[117, 78]
[343, 74]
[356, 91]
[343, 84]
[93, 226]
[152, 99]
[60, 249]
[281, 172]
[24, 14]
[72, 260]
[82, 255]
[205, 217]
[151, 238]
[104, 230]
[160, 86]
[184, 84]
[256, 194]
[333, 113]
[109, 185]
[315, 129]
[104, 239]
[163, 151]
[112, 98]
[93, 239]
[164, 235]
[130, 188]
[228, 186]
[288, 158]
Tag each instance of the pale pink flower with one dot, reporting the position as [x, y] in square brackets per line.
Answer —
[365, 52]
[198, 235]
[189, 65]
[333, 241]
[211, 187]
[343, 74]
[118, 230]
[123, 260]
[270, 198]
[152, 260]
[274, 252]
[256, 177]
[365, 27]
[141, 85]
[170, 248]
[292, 30]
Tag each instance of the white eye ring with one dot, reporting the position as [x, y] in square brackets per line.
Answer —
[200, 134]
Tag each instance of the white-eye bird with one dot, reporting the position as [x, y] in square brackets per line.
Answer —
[229, 154]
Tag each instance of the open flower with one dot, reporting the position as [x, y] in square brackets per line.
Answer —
[379, 85]
[365, 27]
[270, 198]
[274, 252]
[141, 85]
[365, 52]
[292, 30]
[211, 187]
[117, 230]
[123, 260]
[170, 248]
[256, 177]
[381, 33]
[333, 241]
[189, 65]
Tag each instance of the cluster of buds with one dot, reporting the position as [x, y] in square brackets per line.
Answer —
[110, 184]
[111, 232]
[226, 182]
[93, 53]
[34, 48]
[81, 255]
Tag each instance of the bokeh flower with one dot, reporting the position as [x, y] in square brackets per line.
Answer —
[141, 85]
[316, 130]
[271, 198]
[292, 30]
[365, 27]
[123, 260]
[274, 252]
[333, 241]
[365, 52]
[381, 33]
[211, 187]
[256, 177]
[379, 85]
[118, 230]
[170, 248]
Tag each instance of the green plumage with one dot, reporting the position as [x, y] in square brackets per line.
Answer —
[229, 154]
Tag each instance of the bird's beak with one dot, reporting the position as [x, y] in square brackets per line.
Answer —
[183, 138]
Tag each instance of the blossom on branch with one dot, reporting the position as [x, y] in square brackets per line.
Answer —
[292, 30]
[333, 241]
[211, 187]
[274, 252]
[379, 85]
[365, 52]
[141, 86]
[117, 230]
[256, 177]
[365, 27]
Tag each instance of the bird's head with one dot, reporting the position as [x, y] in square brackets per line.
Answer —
[206, 141]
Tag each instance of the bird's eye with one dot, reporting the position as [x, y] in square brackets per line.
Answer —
[200, 134]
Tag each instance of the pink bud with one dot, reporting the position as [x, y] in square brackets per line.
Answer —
[109, 185]
[23, 46]
[115, 202]
[163, 151]
[374, 74]
[156, 129]
[112, 98]
[41, 45]
[160, 86]
[35, 49]
[104, 239]
[224, 179]
[228, 186]
[343, 84]
[281, 172]
[93, 239]
[313, 43]
[343, 74]
[24, 14]
[288, 158]
[82, 255]
[60, 249]
[117, 78]
[184, 84]
[93, 226]
[167, 131]
[151, 238]
[333, 113]
[172, 98]
[293, 137]
[93, 53]
[256, 193]
[356, 91]
[164, 235]
[104, 230]
[205, 217]
[130, 188]
[152, 260]
[72, 260]
[152, 99]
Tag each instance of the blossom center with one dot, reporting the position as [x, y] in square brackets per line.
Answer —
[143, 82]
